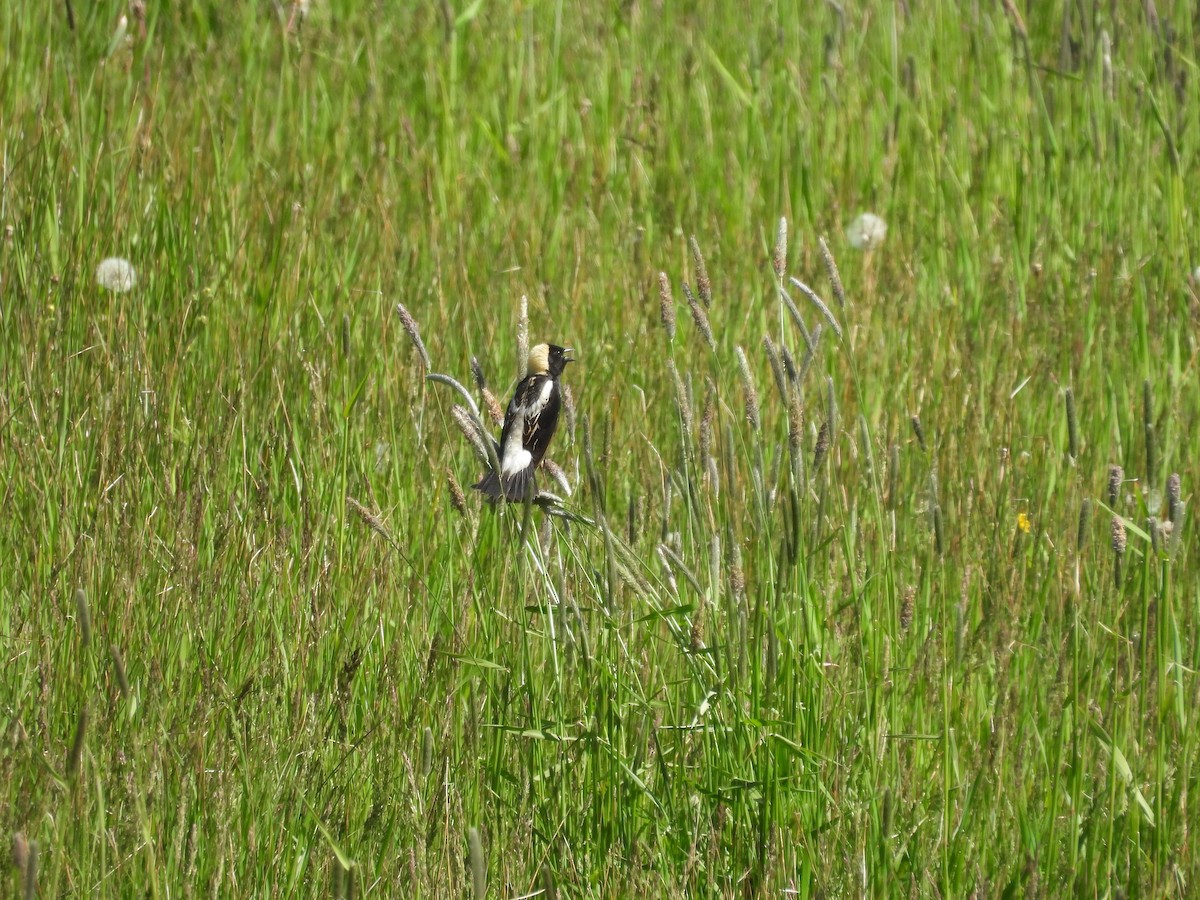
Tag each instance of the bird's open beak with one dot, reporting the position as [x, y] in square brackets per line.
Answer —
[567, 359]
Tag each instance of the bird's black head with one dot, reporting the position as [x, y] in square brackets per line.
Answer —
[558, 359]
[548, 359]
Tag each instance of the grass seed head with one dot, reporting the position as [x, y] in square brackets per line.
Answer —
[835, 277]
[84, 616]
[907, 601]
[666, 305]
[820, 304]
[822, 446]
[1119, 538]
[492, 405]
[20, 851]
[119, 670]
[414, 334]
[703, 285]
[700, 317]
[779, 258]
[1116, 475]
[781, 382]
[708, 418]
[466, 424]
[1085, 521]
[681, 398]
[523, 337]
[75, 758]
[478, 863]
[568, 401]
[477, 373]
[789, 365]
[457, 499]
[31, 865]
[1072, 424]
[751, 393]
[1174, 495]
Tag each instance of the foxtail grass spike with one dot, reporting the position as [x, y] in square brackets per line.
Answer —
[492, 405]
[414, 334]
[822, 446]
[477, 373]
[708, 419]
[819, 304]
[748, 389]
[798, 319]
[119, 670]
[523, 337]
[700, 317]
[703, 285]
[1174, 495]
[681, 399]
[457, 498]
[938, 535]
[781, 382]
[1116, 475]
[1176, 535]
[666, 305]
[796, 432]
[811, 353]
[467, 424]
[1085, 521]
[20, 852]
[31, 865]
[919, 431]
[84, 616]
[76, 756]
[568, 402]
[478, 863]
[1072, 425]
[789, 365]
[1119, 538]
[779, 258]
[345, 336]
[835, 277]
[907, 602]
[1118, 545]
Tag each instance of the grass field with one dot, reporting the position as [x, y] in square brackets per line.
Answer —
[868, 616]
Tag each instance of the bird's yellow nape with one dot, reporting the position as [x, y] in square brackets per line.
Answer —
[539, 359]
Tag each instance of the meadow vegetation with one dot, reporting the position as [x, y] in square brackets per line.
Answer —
[895, 596]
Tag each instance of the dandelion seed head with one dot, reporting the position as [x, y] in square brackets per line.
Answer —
[116, 274]
[866, 232]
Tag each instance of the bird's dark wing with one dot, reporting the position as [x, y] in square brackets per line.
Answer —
[542, 406]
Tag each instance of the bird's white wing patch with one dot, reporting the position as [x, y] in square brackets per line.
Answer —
[516, 458]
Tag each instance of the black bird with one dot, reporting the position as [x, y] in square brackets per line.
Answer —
[529, 425]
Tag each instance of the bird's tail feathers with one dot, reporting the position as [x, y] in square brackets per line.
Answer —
[516, 488]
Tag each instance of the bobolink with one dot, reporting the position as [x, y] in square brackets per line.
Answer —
[529, 425]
